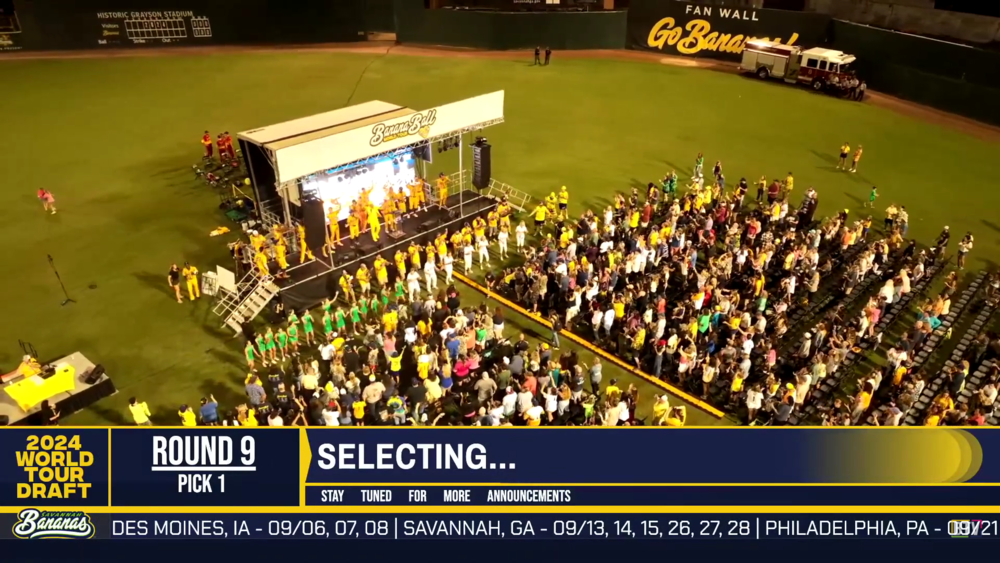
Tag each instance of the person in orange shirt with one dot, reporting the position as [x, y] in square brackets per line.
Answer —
[206, 141]
[857, 157]
[220, 143]
[229, 145]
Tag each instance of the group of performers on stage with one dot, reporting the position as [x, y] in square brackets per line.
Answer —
[363, 211]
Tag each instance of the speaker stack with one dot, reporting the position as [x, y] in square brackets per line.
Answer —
[315, 222]
[481, 169]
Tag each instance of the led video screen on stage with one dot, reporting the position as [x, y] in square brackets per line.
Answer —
[346, 185]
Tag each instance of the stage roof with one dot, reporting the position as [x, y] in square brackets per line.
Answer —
[313, 144]
[318, 122]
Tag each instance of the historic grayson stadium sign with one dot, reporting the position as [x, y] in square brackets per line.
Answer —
[419, 123]
[716, 31]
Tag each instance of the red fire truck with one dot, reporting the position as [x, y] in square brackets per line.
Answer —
[822, 69]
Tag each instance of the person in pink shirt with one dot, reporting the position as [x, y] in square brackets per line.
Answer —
[48, 200]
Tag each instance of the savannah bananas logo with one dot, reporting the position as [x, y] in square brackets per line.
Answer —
[42, 524]
[700, 37]
[418, 124]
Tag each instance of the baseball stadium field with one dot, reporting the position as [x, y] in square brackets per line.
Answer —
[114, 139]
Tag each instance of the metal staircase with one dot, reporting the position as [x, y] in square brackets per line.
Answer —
[251, 296]
[498, 190]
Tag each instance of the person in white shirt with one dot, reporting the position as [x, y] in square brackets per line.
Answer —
[449, 268]
[467, 251]
[330, 417]
[484, 251]
[430, 276]
[519, 234]
[413, 283]
[497, 414]
[609, 320]
[274, 419]
[502, 241]
[754, 401]
[509, 402]
[533, 415]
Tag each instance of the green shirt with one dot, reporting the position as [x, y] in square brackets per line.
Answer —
[341, 320]
[249, 352]
[293, 333]
[293, 319]
[355, 314]
[307, 322]
[282, 339]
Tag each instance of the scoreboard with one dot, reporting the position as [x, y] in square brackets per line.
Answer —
[580, 491]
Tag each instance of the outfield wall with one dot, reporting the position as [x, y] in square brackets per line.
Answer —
[509, 30]
[115, 24]
[946, 76]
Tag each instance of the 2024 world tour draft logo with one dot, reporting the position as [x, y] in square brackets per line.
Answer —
[700, 36]
[43, 524]
[419, 123]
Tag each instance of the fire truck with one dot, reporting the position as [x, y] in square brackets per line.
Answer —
[822, 69]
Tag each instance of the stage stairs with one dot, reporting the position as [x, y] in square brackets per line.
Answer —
[252, 296]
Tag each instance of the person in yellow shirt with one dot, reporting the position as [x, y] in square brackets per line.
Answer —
[381, 271]
[400, 199]
[304, 251]
[388, 212]
[333, 217]
[373, 222]
[845, 149]
[400, 259]
[187, 416]
[257, 240]
[139, 411]
[190, 274]
[857, 158]
[550, 203]
[416, 195]
[442, 186]
[353, 226]
[619, 307]
[347, 286]
[364, 279]
[414, 252]
[359, 412]
[564, 238]
[281, 254]
[541, 212]
[260, 261]
[789, 184]
[563, 203]
[676, 417]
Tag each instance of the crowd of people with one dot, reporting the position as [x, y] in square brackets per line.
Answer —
[695, 286]
[697, 289]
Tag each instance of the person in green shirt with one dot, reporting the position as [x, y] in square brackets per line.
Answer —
[249, 352]
[363, 308]
[269, 345]
[307, 327]
[704, 320]
[374, 306]
[341, 320]
[355, 318]
[327, 323]
[293, 338]
[262, 348]
[282, 337]
[293, 319]
[400, 290]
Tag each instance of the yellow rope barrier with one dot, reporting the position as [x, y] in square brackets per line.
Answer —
[617, 361]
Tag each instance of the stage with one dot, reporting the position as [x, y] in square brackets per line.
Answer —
[82, 395]
[315, 280]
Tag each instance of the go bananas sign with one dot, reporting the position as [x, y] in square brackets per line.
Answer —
[681, 28]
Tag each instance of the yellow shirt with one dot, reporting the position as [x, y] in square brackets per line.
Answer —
[737, 385]
[933, 420]
[633, 221]
[789, 182]
[140, 412]
[187, 418]
[540, 213]
[619, 310]
[359, 409]
[845, 149]
[190, 273]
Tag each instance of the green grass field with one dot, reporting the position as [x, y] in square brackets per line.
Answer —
[114, 139]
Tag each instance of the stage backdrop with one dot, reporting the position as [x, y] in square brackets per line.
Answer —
[509, 30]
[703, 30]
[97, 24]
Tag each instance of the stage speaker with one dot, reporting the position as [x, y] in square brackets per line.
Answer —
[429, 225]
[315, 221]
[423, 152]
[94, 375]
[481, 172]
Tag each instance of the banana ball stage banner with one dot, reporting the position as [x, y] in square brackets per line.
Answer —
[721, 32]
